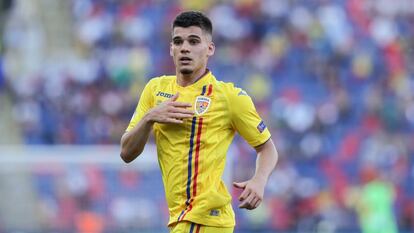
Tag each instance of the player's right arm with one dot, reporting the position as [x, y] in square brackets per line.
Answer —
[134, 139]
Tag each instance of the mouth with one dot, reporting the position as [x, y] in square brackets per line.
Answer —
[185, 60]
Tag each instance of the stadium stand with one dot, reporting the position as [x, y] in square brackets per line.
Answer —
[334, 80]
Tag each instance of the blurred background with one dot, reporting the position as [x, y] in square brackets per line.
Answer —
[333, 80]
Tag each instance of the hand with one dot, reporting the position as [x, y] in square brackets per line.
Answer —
[252, 194]
[171, 111]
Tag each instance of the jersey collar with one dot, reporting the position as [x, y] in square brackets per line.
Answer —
[204, 80]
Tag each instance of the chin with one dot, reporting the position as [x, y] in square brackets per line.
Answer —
[186, 71]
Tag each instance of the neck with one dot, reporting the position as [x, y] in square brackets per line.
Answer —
[188, 79]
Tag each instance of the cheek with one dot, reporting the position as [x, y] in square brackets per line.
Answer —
[202, 53]
[175, 54]
[175, 50]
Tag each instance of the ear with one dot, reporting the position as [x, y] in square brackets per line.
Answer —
[171, 50]
[211, 49]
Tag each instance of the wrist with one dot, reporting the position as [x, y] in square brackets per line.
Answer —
[260, 177]
[148, 120]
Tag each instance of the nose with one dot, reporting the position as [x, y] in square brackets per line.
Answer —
[185, 47]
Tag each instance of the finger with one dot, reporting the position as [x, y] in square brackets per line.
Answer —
[180, 115]
[254, 202]
[246, 204]
[244, 195]
[182, 110]
[240, 185]
[174, 97]
[257, 203]
[180, 104]
[173, 120]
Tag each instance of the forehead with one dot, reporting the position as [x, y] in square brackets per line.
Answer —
[187, 31]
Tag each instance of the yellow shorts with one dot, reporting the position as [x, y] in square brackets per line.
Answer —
[189, 227]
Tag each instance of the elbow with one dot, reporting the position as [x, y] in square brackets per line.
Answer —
[127, 156]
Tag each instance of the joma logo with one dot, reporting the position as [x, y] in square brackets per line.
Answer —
[163, 94]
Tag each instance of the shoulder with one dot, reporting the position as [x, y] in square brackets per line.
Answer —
[159, 82]
[237, 99]
[230, 90]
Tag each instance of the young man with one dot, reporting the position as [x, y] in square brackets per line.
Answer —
[194, 118]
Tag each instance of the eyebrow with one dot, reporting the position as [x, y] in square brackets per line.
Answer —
[190, 36]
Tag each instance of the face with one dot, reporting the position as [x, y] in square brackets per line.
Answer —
[190, 48]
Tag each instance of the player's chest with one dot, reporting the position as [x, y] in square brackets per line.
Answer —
[207, 103]
[204, 102]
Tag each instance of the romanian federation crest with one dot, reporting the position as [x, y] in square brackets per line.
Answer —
[201, 104]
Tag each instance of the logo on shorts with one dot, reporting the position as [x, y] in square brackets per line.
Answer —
[201, 104]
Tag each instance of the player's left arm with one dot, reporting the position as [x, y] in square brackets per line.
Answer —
[247, 122]
[253, 189]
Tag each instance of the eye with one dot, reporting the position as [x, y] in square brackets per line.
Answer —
[177, 41]
[193, 41]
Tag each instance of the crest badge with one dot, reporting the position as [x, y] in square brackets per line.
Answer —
[201, 104]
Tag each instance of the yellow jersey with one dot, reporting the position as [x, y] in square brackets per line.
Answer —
[192, 155]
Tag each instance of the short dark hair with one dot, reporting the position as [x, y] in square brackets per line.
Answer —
[193, 18]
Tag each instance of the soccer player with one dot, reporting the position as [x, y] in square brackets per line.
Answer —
[194, 118]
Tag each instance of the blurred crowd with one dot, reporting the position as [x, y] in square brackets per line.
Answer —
[96, 199]
[333, 80]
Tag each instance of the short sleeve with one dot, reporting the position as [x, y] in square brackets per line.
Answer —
[145, 103]
[245, 119]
